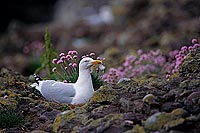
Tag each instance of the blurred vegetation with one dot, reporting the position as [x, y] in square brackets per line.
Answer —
[47, 56]
[10, 118]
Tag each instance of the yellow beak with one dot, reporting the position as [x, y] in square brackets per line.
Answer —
[96, 62]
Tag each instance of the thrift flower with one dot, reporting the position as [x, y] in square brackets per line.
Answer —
[53, 69]
[59, 61]
[61, 54]
[67, 67]
[54, 61]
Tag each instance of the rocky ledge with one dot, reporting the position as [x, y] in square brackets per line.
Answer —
[150, 104]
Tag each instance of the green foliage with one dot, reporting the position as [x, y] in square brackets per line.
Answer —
[72, 78]
[10, 118]
[48, 55]
[63, 70]
[96, 79]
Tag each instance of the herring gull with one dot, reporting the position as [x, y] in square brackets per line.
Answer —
[71, 93]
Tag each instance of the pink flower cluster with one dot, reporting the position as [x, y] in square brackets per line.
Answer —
[33, 48]
[66, 64]
[137, 65]
[150, 62]
[182, 54]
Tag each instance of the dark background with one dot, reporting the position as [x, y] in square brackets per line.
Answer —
[26, 11]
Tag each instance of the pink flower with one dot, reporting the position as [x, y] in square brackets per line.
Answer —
[74, 52]
[75, 56]
[62, 58]
[53, 69]
[5, 97]
[143, 57]
[70, 52]
[167, 76]
[181, 52]
[196, 45]
[65, 81]
[61, 54]
[83, 56]
[177, 56]
[112, 70]
[183, 48]
[194, 41]
[74, 65]
[59, 61]
[54, 61]
[98, 58]
[68, 57]
[139, 52]
[190, 48]
[92, 54]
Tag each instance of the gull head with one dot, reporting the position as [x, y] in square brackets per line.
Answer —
[87, 63]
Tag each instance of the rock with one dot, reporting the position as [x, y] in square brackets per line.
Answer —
[185, 93]
[125, 104]
[149, 98]
[123, 80]
[66, 120]
[194, 95]
[175, 124]
[190, 65]
[104, 94]
[126, 85]
[38, 131]
[136, 129]
[179, 112]
[158, 120]
[103, 124]
[169, 106]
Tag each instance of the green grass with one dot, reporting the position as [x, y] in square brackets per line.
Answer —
[10, 118]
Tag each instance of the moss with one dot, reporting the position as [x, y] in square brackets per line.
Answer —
[156, 121]
[149, 98]
[127, 85]
[59, 121]
[104, 94]
[190, 84]
[138, 129]
[174, 123]
[100, 108]
[101, 124]
[189, 66]
[8, 104]
[38, 131]
[67, 119]
[179, 112]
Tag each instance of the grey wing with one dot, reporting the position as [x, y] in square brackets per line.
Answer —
[59, 92]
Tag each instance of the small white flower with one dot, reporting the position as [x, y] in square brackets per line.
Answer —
[102, 67]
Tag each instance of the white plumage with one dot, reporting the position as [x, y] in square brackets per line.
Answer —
[72, 93]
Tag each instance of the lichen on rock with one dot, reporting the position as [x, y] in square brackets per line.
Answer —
[163, 119]
[104, 94]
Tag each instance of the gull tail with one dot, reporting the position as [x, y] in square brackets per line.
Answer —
[37, 82]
